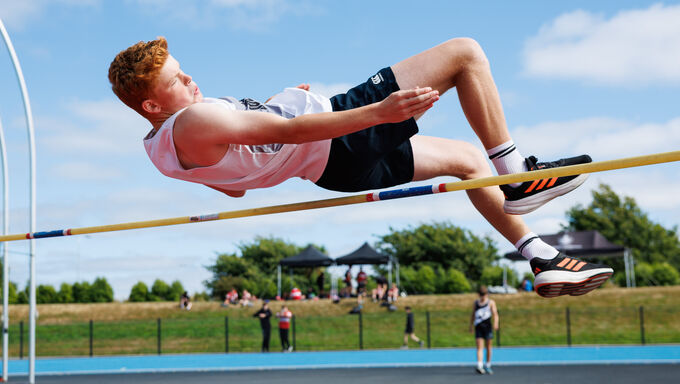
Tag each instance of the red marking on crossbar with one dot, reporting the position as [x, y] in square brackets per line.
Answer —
[369, 197]
[68, 232]
[442, 187]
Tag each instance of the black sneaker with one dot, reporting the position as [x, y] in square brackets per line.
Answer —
[566, 275]
[480, 370]
[532, 194]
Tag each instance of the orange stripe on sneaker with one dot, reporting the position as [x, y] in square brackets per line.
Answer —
[532, 186]
[571, 264]
[543, 182]
[563, 262]
[579, 266]
[552, 182]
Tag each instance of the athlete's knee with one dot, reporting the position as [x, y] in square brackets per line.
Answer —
[473, 163]
[467, 52]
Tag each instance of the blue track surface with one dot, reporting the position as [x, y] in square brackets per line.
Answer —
[666, 354]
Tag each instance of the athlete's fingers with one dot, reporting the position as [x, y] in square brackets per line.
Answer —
[431, 95]
[414, 92]
[422, 100]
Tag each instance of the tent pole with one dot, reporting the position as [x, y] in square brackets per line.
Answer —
[278, 281]
[389, 272]
[626, 263]
[397, 277]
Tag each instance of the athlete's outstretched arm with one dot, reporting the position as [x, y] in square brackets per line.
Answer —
[205, 124]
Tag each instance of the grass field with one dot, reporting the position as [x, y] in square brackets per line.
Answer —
[606, 316]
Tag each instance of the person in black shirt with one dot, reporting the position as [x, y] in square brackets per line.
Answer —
[264, 314]
[410, 330]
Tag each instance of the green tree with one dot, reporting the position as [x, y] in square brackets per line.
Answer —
[13, 296]
[440, 244]
[82, 292]
[101, 291]
[265, 252]
[45, 294]
[176, 290]
[454, 281]
[65, 294]
[665, 274]
[255, 267]
[493, 275]
[139, 293]
[22, 296]
[622, 222]
[160, 291]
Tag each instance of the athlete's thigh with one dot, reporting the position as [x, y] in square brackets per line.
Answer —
[437, 66]
[436, 156]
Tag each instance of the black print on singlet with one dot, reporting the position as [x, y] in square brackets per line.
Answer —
[254, 105]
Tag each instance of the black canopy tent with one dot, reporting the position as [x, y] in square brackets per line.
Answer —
[368, 255]
[309, 257]
[586, 245]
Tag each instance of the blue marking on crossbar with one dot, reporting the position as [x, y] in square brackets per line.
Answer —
[57, 233]
[399, 193]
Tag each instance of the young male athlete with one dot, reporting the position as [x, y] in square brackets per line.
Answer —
[360, 140]
[483, 311]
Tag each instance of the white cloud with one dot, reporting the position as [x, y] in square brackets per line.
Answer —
[85, 172]
[18, 14]
[329, 90]
[102, 127]
[603, 138]
[251, 15]
[634, 47]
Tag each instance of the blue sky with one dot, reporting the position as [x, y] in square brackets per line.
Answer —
[575, 77]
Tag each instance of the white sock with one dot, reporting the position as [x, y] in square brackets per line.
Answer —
[530, 246]
[507, 159]
[479, 365]
[488, 364]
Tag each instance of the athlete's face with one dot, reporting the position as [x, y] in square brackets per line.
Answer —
[174, 89]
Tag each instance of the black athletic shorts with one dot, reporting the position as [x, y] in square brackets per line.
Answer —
[373, 158]
[484, 330]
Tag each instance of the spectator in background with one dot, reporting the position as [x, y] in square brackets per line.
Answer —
[527, 285]
[231, 297]
[361, 282]
[393, 294]
[320, 281]
[264, 314]
[410, 330]
[185, 301]
[484, 309]
[246, 299]
[284, 317]
[380, 291]
[295, 294]
[347, 290]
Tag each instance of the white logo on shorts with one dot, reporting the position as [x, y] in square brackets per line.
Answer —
[377, 79]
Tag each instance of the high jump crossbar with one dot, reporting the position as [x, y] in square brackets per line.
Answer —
[570, 170]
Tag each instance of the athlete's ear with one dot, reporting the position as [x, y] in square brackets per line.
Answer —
[150, 106]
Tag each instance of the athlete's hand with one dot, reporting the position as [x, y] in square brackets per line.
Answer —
[404, 104]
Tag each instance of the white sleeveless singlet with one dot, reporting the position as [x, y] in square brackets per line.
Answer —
[246, 167]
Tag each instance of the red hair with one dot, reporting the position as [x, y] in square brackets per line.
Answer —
[134, 71]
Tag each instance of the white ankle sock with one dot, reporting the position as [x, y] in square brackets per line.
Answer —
[479, 365]
[507, 159]
[530, 246]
